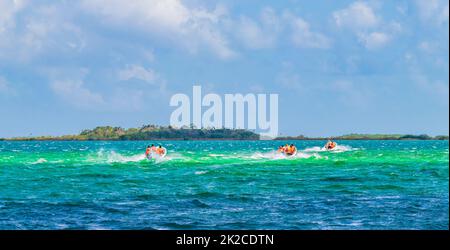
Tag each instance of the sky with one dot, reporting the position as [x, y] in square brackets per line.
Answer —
[338, 66]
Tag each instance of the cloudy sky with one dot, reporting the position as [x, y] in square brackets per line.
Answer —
[338, 66]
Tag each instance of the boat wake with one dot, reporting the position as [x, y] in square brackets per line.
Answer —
[39, 161]
[274, 155]
[114, 157]
[110, 157]
[337, 149]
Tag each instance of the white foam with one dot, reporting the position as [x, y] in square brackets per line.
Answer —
[306, 156]
[40, 160]
[338, 148]
[216, 155]
[342, 148]
[159, 159]
[311, 152]
[116, 157]
[172, 156]
[314, 149]
[274, 155]
[113, 157]
[266, 155]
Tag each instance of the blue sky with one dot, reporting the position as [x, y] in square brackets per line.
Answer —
[338, 66]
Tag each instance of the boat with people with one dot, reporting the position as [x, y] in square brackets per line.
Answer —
[288, 150]
[153, 152]
[330, 145]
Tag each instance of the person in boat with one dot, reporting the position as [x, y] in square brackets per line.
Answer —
[160, 150]
[153, 148]
[291, 149]
[330, 144]
[280, 149]
[148, 151]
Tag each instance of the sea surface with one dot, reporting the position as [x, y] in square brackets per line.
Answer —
[224, 185]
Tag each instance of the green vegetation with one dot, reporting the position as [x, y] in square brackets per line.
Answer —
[369, 137]
[441, 137]
[154, 132]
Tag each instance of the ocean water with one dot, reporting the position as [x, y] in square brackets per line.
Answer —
[224, 185]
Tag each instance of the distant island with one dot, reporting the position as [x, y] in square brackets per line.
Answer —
[155, 132]
[369, 137]
[149, 132]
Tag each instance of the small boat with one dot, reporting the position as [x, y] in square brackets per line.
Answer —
[155, 155]
[288, 154]
[291, 154]
[330, 146]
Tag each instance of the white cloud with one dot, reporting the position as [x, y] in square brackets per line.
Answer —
[50, 29]
[9, 8]
[55, 28]
[344, 91]
[44, 28]
[429, 47]
[374, 40]
[69, 85]
[357, 16]
[402, 8]
[78, 87]
[252, 35]
[74, 92]
[259, 35]
[266, 31]
[192, 28]
[149, 55]
[5, 87]
[369, 28]
[137, 72]
[117, 102]
[303, 37]
[290, 79]
[77, 94]
[434, 11]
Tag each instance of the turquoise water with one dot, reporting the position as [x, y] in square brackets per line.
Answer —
[224, 185]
